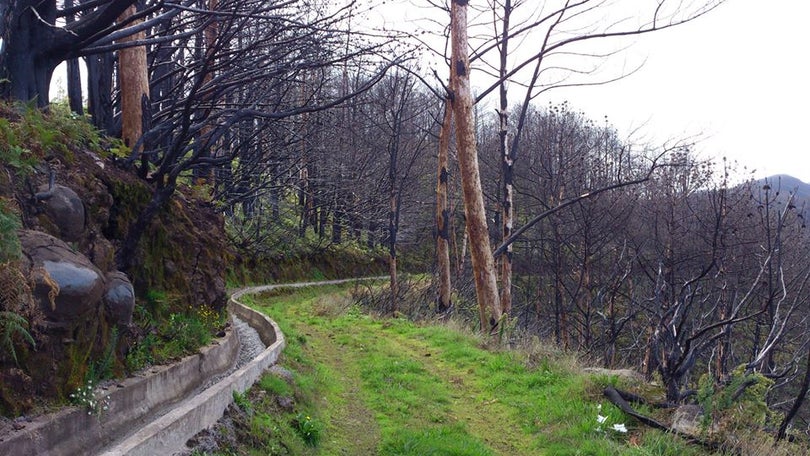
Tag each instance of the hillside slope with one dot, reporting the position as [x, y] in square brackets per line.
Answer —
[70, 315]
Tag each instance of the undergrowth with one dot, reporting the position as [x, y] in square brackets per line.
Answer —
[170, 330]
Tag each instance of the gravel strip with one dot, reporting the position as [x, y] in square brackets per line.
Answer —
[250, 345]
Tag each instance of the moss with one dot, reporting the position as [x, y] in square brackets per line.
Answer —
[332, 263]
[129, 199]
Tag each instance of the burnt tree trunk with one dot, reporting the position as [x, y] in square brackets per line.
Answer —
[507, 171]
[35, 44]
[99, 91]
[74, 77]
[443, 213]
[134, 83]
[29, 58]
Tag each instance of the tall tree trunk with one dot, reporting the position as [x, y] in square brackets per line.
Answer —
[303, 184]
[74, 87]
[74, 77]
[205, 174]
[392, 250]
[483, 263]
[443, 213]
[507, 164]
[134, 82]
[28, 61]
[393, 214]
[99, 89]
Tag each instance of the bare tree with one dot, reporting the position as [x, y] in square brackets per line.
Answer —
[562, 29]
[443, 301]
[261, 50]
[483, 263]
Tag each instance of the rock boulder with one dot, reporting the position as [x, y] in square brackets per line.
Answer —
[67, 286]
[119, 299]
[65, 210]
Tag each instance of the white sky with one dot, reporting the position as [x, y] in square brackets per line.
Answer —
[738, 78]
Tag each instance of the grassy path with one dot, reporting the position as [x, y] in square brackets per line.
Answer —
[390, 387]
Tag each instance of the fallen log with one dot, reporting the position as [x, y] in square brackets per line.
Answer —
[617, 398]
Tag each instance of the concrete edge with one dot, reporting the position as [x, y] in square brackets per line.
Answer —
[73, 431]
[169, 433]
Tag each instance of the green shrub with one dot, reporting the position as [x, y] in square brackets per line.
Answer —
[739, 403]
[241, 400]
[140, 355]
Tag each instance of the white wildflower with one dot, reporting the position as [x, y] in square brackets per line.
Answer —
[620, 427]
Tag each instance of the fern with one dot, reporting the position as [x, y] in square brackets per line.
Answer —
[12, 325]
[9, 242]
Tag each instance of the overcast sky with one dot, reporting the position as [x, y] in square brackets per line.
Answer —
[740, 76]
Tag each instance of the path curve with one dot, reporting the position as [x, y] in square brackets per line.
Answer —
[169, 433]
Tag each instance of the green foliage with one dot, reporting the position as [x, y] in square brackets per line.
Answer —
[182, 334]
[739, 403]
[13, 287]
[28, 134]
[140, 354]
[171, 331]
[9, 224]
[104, 366]
[12, 151]
[308, 428]
[12, 328]
[241, 400]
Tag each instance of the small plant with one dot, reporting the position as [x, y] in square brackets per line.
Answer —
[739, 403]
[275, 385]
[241, 400]
[308, 428]
[104, 366]
[85, 396]
[140, 354]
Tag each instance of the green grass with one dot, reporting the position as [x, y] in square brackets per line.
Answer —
[391, 387]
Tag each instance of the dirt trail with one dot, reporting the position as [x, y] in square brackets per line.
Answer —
[353, 423]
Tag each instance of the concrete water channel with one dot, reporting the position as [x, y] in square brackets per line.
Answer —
[156, 412]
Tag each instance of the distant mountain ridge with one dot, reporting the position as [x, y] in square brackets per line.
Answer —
[785, 184]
